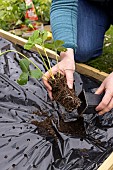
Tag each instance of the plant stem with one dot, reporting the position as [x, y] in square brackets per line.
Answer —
[22, 56]
[42, 58]
[56, 56]
[48, 63]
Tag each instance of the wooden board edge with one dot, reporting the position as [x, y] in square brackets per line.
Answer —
[107, 164]
[80, 68]
[91, 72]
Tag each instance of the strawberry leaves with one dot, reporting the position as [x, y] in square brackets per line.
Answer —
[26, 72]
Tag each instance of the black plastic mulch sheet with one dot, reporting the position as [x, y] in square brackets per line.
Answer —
[24, 146]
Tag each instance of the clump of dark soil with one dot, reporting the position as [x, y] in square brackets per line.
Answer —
[45, 128]
[62, 94]
[75, 128]
[40, 113]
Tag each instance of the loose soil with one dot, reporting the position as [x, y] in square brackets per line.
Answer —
[67, 98]
[45, 128]
[75, 128]
[62, 94]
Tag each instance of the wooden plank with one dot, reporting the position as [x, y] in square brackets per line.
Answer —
[80, 68]
[108, 163]
[90, 71]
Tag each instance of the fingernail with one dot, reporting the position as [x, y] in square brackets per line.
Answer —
[97, 109]
[100, 113]
[70, 86]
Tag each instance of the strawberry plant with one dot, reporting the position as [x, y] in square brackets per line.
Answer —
[60, 90]
[38, 37]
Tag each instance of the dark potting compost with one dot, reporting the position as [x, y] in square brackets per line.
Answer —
[61, 93]
[33, 134]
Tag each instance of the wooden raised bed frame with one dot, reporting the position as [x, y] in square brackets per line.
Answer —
[80, 68]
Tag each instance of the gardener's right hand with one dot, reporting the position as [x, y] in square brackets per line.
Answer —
[66, 67]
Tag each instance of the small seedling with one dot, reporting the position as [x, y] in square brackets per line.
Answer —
[40, 38]
[60, 91]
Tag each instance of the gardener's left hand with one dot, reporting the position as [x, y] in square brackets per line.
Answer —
[66, 67]
[107, 102]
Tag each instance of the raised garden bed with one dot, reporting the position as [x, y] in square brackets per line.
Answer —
[26, 142]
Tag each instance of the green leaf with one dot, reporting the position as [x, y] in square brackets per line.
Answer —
[23, 78]
[28, 46]
[2, 13]
[24, 65]
[27, 21]
[49, 46]
[30, 26]
[36, 73]
[38, 41]
[34, 36]
[58, 43]
[29, 6]
[62, 49]
[44, 36]
[33, 39]
[18, 22]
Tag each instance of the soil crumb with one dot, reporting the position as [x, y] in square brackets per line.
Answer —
[62, 94]
[40, 113]
[45, 128]
[75, 128]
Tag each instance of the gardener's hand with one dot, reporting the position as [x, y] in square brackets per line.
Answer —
[66, 66]
[107, 102]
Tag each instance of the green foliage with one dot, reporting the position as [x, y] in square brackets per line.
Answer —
[11, 13]
[37, 74]
[26, 72]
[38, 37]
[105, 61]
[23, 79]
[56, 45]
[43, 9]
[43, 36]
[34, 39]
[24, 65]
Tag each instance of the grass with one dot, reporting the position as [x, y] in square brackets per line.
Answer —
[105, 61]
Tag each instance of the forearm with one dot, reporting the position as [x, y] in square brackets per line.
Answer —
[64, 21]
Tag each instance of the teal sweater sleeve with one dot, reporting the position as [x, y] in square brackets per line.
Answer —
[63, 18]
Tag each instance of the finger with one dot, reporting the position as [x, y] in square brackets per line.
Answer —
[106, 99]
[45, 78]
[47, 75]
[47, 85]
[50, 72]
[69, 77]
[50, 94]
[100, 89]
[108, 108]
